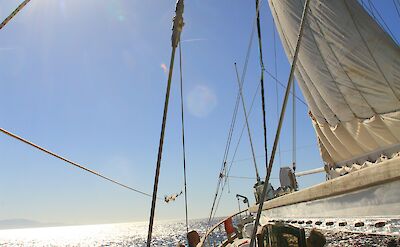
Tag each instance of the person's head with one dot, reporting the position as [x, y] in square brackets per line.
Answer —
[193, 238]
[316, 239]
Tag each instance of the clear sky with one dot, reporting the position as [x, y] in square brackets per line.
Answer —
[86, 79]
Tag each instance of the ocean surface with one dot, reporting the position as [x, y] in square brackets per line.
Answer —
[166, 233]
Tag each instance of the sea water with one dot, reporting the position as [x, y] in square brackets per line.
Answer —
[165, 233]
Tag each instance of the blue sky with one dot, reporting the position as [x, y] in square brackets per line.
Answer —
[86, 79]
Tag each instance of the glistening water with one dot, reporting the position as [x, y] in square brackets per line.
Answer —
[167, 233]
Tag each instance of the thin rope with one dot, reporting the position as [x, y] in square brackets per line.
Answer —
[227, 171]
[262, 156]
[397, 8]
[372, 6]
[223, 167]
[176, 34]
[241, 177]
[226, 175]
[247, 124]
[262, 85]
[8, 18]
[294, 127]
[72, 162]
[276, 85]
[271, 160]
[219, 184]
[278, 82]
[183, 139]
[378, 66]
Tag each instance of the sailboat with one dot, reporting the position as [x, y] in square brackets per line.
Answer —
[348, 69]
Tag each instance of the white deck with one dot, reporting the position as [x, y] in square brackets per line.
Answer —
[370, 192]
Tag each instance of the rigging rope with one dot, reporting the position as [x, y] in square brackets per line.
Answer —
[241, 177]
[219, 184]
[397, 8]
[278, 82]
[278, 131]
[262, 85]
[276, 85]
[247, 124]
[283, 151]
[226, 175]
[294, 127]
[372, 9]
[72, 162]
[8, 18]
[175, 39]
[223, 167]
[183, 138]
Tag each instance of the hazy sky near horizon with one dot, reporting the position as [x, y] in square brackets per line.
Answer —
[86, 79]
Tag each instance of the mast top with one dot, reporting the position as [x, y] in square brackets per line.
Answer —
[177, 23]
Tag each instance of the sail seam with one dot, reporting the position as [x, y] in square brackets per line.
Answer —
[369, 51]
[300, 68]
[344, 71]
[327, 69]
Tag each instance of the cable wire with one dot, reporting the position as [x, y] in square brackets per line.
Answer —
[183, 139]
[219, 183]
[386, 27]
[226, 175]
[397, 8]
[276, 85]
[278, 131]
[247, 124]
[72, 162]
[262, 85]
[9, 17]
[294, 127]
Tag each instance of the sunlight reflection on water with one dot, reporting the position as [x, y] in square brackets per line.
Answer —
[123, 234]
[165, 233]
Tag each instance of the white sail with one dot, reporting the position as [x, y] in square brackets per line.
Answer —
[349, 73]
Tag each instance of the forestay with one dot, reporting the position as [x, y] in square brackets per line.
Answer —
[349, 73]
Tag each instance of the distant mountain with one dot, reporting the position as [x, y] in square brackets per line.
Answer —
[23, 223]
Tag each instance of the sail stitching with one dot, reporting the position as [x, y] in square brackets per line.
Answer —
[341, 66]
[326, 66]
[369, 51]
[300, 68]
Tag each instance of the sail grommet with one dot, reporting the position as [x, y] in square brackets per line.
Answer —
[344, 223]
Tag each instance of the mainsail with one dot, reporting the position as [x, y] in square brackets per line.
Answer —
[349, 73]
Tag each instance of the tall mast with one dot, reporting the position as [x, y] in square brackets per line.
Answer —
[278, 131]
[175, 39]
[262, 83]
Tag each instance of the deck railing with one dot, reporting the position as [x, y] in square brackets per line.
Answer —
[210, 231]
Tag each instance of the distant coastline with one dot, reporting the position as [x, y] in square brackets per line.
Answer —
[24, 223]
